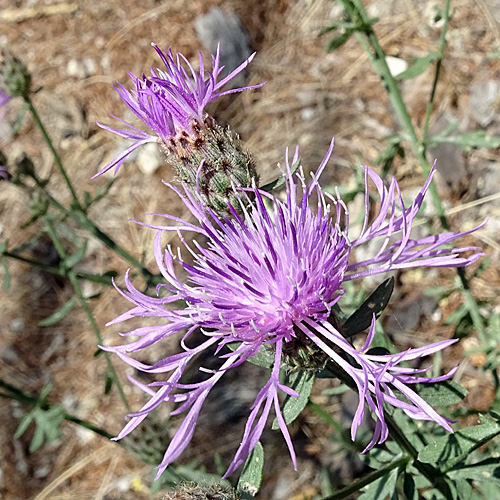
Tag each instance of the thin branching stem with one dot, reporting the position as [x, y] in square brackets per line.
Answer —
[83, 220]
[24, 397]
[95, 278]
[53, 150]
[88, 312]
[77, 212]
[370, 43]
[356, 485]
[437, 71]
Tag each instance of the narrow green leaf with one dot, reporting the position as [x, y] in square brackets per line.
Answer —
[48, 424]
[37, 440]
[464, 490]
[280, 181]
[409, 488]
[337, 25]
[486, 470]
[380, 488]
[361, 319]
[87, 199]
[476, 139]
[452, 448]
[98, 352]
[418, 67]
[251, 477]
[76, 257]
[59, 314]
[442, 393]
[339, 40]
[108, 384]
[263, 358]
[302, 382]
[23, 425]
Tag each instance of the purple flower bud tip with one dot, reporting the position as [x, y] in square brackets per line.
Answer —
[170, 100]
[269, 275]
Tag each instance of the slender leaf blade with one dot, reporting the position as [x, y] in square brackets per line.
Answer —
[59, 314]
[302, 382]
[251, 477]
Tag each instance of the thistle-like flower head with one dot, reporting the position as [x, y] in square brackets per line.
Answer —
[269, 278]
[172, 103]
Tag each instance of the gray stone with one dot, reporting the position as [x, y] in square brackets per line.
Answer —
[219, 26]
[482, 101]
[81, 68]
[149, 158]
[396, 65]
[405, 317]
[450, 165]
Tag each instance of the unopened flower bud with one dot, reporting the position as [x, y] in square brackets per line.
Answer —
[211, 162]
[15, 79]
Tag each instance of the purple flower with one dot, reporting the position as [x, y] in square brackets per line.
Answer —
[4, 98]
[268, 278]
[4, 172]
[171, 101]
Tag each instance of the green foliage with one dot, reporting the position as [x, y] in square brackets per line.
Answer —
[280, 181]
[419, 65]
[301, 382]
[454, 448]
[390, 153]
[47, 422]
[251, 477]
[467, 141]
[100, 193]
[381, 488]
[441, 394]
[362, 318]
[59, 314]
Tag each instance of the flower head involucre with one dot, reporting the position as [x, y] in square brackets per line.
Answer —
[269, 278]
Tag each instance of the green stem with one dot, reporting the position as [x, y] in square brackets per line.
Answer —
[439, 62]
[26, 398]
[95, 278]
[369, 41]
[356, 485]
[56, 156]
[433, 475]
[83, 220]
[79, 214]
[88, 312]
